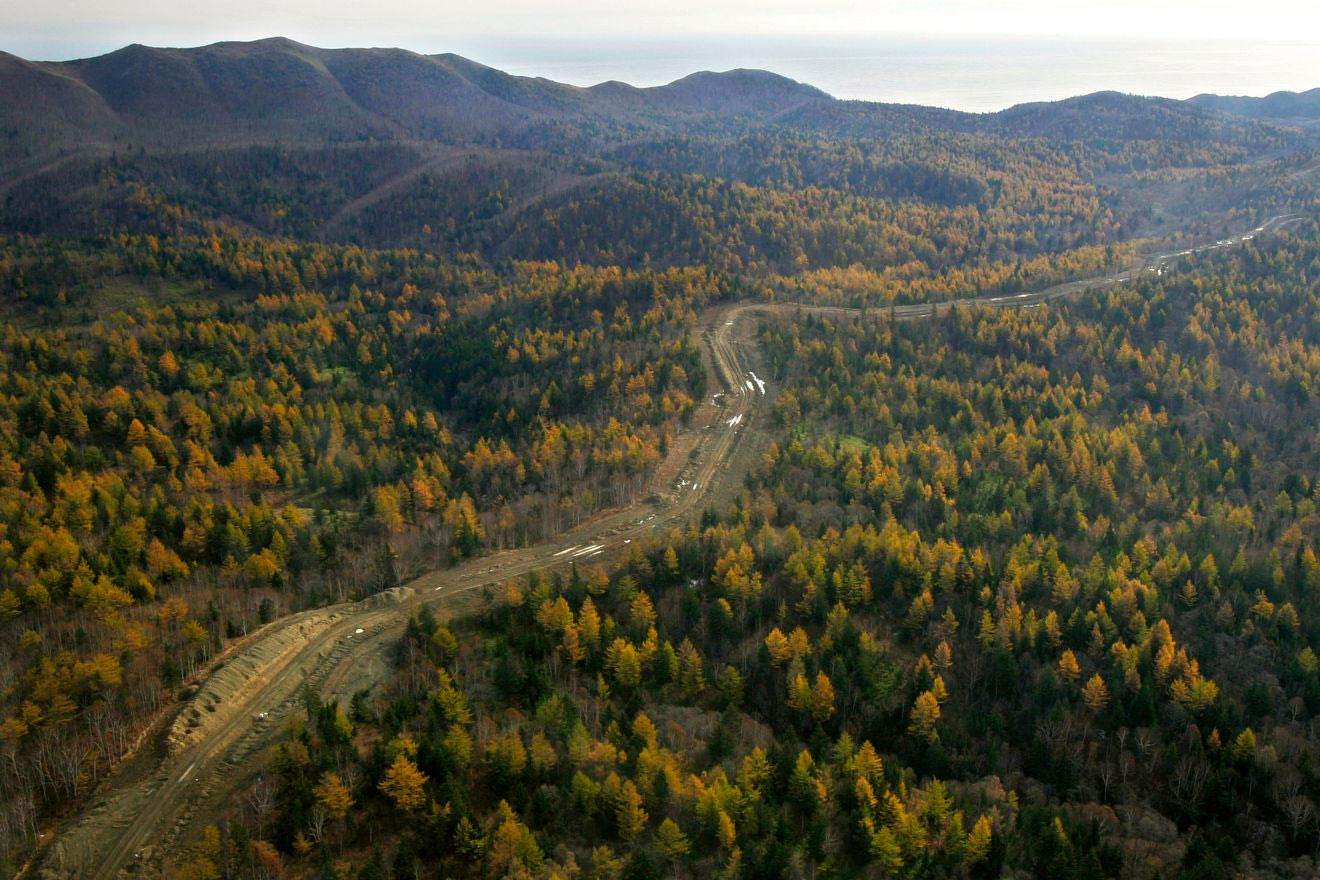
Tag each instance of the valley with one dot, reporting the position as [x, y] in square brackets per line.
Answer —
[412, 471]
[340, 650]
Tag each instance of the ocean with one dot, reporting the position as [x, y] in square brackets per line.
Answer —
[973, 74]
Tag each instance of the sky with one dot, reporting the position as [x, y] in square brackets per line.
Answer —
[62, 29]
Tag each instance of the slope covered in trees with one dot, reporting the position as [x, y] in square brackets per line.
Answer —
[1020, 591]
[1011, 592]
[743, 170]
[184, 459]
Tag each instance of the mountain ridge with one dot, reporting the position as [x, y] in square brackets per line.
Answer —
[380, 145]
[1276, 105]
[277, 90]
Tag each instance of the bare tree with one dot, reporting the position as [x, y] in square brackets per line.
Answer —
[261, 800]
[1126, 764]
[316, 823]
[351, 775]
[1296, 708]
[1299, 811]
[1107, 773]
[1189, 780]
[1287, 784]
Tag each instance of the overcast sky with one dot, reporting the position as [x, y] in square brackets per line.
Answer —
[57, 29]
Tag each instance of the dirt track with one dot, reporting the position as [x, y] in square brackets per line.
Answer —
[339, 649]
[195, 770]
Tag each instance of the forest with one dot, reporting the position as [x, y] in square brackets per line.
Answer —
[1026, 593]
[1006, 592]
[182, 467]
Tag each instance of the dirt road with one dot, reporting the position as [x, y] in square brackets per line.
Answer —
[340, 649]
[195, 770]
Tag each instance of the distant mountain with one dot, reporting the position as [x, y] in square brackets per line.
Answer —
[388, 148]
[40, 104]
[279, 92]
[1277, 106]
[1121, 117]
[733, 92]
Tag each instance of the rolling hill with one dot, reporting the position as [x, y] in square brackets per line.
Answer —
[1287, 106]
[277, 91]
[390, 148]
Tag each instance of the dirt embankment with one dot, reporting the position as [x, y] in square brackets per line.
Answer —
[269, 655]
[236, 711]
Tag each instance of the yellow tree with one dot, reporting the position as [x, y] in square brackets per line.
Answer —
[978, 842]
[333, 795]
[642, 611]
[446, 643]
[1068, 666]
[691, 676]
[513, 850]
[754, 772]
[589, 623]
[624, 663]
[452, 701]
[671, 841]
[868, 764]
[1096, 694]
[671, 563]
[776, 643]
[886, 852]
[555, 616]
[1244, 746]
[405, 785]
[925, 715]
[822, 698]
[507, 756]
[799, 694]
[728, 832]
[1194, 691]
[628, 811]
[572, 645]
[802, 783]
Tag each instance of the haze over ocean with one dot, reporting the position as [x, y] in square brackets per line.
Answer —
[965, 73]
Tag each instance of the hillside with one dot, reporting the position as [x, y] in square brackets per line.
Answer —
[1125, 117]
[409, 464]
[279, 91]
[389, 148]
[1290, 106]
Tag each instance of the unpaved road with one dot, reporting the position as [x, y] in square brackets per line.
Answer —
[338, 649]
[196, 771]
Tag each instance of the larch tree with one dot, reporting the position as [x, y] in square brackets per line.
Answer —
[925, 715]
[405, 785]
[629, 815]
[333, 795]
[1096, 694]
[671, 842]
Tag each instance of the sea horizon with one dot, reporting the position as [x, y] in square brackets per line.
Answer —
[973, 74]
[976, 74]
